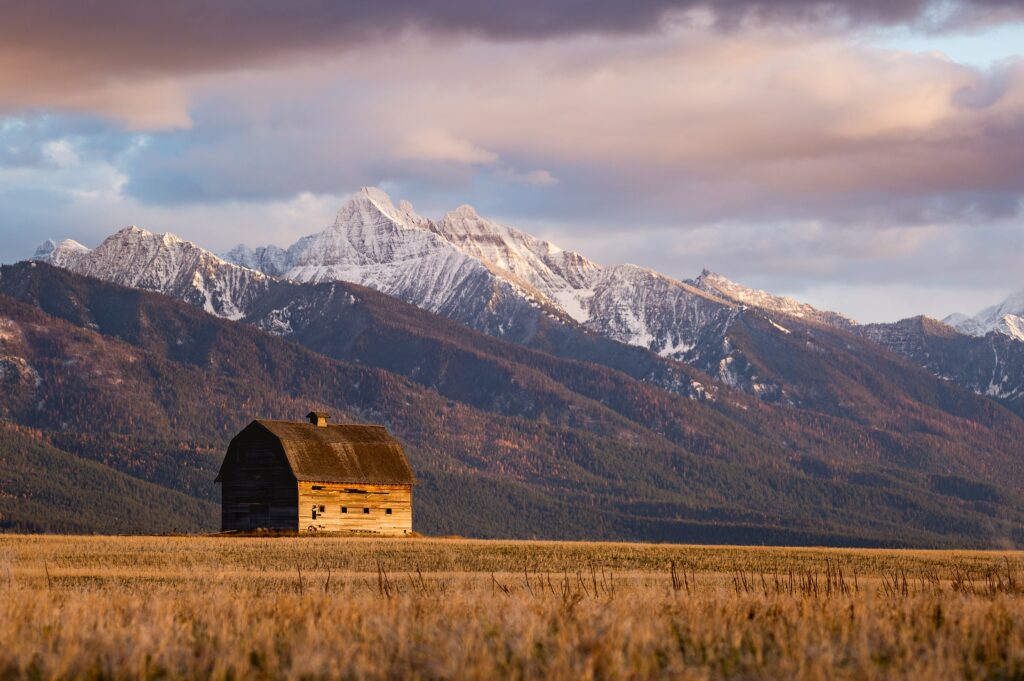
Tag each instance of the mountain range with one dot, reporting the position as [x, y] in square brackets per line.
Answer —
[504, 282]
[561, 397]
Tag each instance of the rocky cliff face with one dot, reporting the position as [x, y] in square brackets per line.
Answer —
[991, 365]
[494, 277]
[719, 286]
[510, 284]
[166, 264]
[391, 249]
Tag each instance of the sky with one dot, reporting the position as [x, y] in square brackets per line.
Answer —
[866, 156]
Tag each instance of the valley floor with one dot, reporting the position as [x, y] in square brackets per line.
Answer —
[218, 607]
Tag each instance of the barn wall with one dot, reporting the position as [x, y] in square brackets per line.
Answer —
[258, 490]
[376, 498]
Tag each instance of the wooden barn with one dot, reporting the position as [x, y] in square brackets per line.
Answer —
[315, 477]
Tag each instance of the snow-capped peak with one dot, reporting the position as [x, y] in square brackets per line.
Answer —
[955, 319]
[164, 263]
[59, 254]
[465, 211]
[1007, 318]
[553, 271]
[718, 285]
[480, 272]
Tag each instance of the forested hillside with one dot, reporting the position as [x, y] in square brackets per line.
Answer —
[511, 441]
[44, 489]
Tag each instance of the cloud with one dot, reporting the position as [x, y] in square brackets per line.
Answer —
[873, 275]
[696, 127]
[690, 127]
[137, 104]
[540, 178]
[438, 145]
[127, 59]
[536, 178]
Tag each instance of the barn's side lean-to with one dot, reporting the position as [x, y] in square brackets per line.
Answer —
[316, 477]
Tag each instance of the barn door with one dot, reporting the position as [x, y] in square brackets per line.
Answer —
[259, 516]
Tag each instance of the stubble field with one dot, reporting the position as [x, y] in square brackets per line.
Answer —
[323, 607]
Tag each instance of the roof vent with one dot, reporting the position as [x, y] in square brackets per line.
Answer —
[318, 418]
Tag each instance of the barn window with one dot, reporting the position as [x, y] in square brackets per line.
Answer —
[322, 510]
[366, 510]
[318, 486]
[344, 509]
[387, 511]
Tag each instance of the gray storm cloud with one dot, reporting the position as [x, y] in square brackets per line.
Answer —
[169, 38]
[126, 59]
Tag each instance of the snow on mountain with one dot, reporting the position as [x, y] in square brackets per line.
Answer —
[1012, 325]
[1006, 318]
[564, 277]
[720, 286]
[374, 244]
[61, 254]
[481, 272]
[626, 303]
[166, 264]
[639, 306]
[271, 260]
[476, 270]
[990, 364]
[394, 250]
[955, 319]
[489, 276]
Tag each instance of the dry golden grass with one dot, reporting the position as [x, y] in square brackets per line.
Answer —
[240, 608]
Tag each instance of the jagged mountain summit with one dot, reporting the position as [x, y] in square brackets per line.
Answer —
[489, 276]
[1006, 318]
[62, 254]
[469, 268]
[714, 283]
[564, 277]
[510, 284]
[163, 263]
[392, 249]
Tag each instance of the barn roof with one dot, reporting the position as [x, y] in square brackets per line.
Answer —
[341, 453]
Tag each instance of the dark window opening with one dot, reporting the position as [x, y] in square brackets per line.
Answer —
[366, 510]
[387, 511]
[322, 510]
[344, 509]
[318, 487]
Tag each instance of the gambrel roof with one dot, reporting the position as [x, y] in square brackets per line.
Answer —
[343, 453]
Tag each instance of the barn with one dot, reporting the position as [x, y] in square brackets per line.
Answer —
[315, 477]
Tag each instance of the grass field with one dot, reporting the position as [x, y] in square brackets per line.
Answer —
[241, 608]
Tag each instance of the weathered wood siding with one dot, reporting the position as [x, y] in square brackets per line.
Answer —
[258, 489]
[354, 498]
